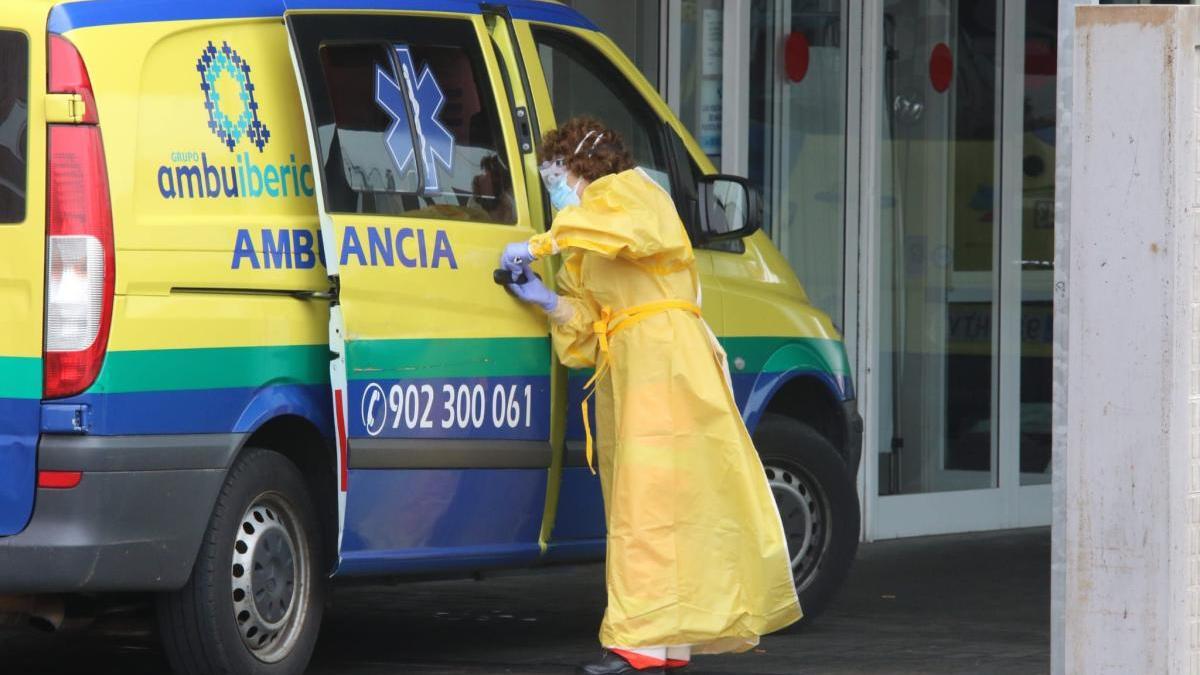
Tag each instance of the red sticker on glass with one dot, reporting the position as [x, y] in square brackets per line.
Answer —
[941, 67]
[796, 56]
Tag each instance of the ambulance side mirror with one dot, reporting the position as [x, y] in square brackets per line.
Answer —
[730, 208]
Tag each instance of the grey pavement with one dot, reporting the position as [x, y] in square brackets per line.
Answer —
[956, 604]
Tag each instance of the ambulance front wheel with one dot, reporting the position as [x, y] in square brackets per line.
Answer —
[254, 600]
[818, 503]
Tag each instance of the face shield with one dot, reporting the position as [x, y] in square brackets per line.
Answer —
[553, 171]
[554, 175]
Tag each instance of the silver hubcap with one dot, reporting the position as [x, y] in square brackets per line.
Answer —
[805, 514]
[270, 574]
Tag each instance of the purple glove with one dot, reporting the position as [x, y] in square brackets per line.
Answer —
[534, 291]
[515, 257]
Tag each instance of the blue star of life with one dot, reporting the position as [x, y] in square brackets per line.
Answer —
[437, 143]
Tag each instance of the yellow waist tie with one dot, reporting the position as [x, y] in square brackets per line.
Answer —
[608, 326]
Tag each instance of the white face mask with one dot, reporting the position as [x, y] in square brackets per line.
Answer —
[563, 194]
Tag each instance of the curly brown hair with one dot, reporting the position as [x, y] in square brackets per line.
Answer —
[602, 151]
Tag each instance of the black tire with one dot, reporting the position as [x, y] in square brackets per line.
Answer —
[263, 526]
[818, 502]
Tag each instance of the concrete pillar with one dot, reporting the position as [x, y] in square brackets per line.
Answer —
[1129, 385]
[1062, 237]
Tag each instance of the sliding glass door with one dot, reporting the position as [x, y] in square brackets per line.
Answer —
[960, 243]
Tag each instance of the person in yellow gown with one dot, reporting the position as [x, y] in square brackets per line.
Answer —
[697, 561]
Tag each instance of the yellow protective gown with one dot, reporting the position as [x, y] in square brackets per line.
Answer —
[696, 550]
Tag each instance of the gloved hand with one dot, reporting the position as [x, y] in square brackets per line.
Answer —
[534, 291]
[515, 257]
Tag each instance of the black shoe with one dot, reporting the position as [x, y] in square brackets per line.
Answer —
[613, 664]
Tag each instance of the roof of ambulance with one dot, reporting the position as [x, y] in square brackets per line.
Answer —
[78, 14]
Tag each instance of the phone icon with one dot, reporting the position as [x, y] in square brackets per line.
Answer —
[372, 397]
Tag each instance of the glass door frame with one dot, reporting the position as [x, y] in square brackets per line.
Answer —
[1008, 504]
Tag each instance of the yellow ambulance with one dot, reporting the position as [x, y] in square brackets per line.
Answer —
[251, 340]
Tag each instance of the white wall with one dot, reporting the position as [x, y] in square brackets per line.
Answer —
[1130, 431]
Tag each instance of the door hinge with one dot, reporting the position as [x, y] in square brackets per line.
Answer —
[65, 108]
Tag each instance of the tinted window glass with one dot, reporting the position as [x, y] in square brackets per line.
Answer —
[687, 175]
[583, 82]
[14, 121]
[352, 144]
[378, 90]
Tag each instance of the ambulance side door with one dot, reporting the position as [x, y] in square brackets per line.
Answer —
[441, 380]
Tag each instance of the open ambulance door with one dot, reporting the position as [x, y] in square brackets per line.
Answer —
[441, 381]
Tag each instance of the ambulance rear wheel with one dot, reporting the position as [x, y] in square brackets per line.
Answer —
[818, 504]
[254, 601]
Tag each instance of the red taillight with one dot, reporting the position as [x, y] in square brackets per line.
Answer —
[80, 259]
[59, 480]
[68, 75]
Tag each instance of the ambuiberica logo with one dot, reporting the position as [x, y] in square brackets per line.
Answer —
[242, 118]
[235, 120]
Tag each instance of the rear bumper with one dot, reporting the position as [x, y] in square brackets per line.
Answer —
[134, 523]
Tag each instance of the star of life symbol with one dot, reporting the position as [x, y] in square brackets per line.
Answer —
[240, 119]
[427, 99]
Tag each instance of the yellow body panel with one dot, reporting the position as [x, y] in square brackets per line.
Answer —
[174, 233]
[22, 278]
[380, 304]
[204, 320]
[764, 297]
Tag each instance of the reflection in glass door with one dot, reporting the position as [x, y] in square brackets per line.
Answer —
[797, 127]
[1037, 238]
[939, 163]
[701, 36]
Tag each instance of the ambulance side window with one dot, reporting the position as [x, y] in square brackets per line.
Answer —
[583, 82]
[406, 120]
[363, 176]
[14, 123]
[688, 176]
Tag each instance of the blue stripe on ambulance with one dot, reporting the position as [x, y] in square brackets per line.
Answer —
[90, 13]
[501, 407]
[421, 520]
[18, 436]
[202, 411]
[510, 408]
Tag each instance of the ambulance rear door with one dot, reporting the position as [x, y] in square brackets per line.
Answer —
[441, 380]
[22, 255]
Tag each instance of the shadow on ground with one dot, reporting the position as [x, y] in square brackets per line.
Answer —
[957, 604]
